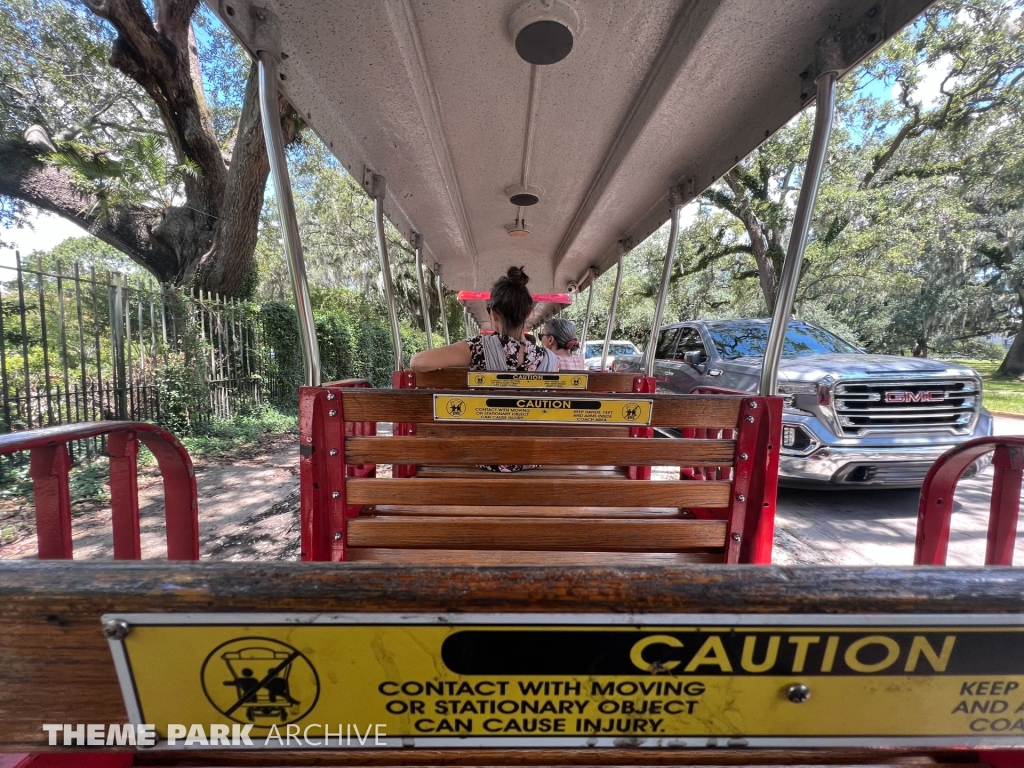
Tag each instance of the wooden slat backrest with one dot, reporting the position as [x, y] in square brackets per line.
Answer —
[537, 534]
[582, 471]
[456, 378]
[452, 429]
[416, 406]
[560, 450]
[491, 488]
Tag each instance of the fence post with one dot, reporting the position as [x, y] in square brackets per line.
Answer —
[24, 342]
[116, 296]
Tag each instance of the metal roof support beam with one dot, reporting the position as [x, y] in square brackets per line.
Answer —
[444, 306]
[801, 227]
[586, 315]
[611, 313]
[676, 199]
[378, 188]
[268, 76]
[424, 304]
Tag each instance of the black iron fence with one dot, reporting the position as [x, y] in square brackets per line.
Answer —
[85, 344]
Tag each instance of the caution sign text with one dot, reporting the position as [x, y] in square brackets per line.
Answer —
[429, 681]
[527, 380]
[550, 409]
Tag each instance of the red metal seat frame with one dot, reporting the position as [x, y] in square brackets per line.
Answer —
[50, 465]
[935, 510]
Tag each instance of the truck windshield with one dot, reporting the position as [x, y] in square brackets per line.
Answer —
[614, 349]
[740, 339]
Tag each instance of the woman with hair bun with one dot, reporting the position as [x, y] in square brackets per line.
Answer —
[560, 337]
[507, 348]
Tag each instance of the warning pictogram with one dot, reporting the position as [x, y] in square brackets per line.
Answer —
[259, 680]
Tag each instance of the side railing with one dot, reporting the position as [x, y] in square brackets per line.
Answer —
[50, 466]
[935, 510]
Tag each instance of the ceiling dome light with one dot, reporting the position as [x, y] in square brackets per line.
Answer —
[544, 31]
[518, 230]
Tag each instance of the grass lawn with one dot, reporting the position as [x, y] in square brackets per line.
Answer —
[1003, 394]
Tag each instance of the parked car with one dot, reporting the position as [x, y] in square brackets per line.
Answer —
[850, 418]
[592, 358]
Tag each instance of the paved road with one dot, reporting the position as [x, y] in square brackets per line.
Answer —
[865, 527]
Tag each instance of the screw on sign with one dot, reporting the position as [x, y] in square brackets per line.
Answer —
[260, 680]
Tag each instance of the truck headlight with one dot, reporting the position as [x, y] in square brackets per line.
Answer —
[798, 388]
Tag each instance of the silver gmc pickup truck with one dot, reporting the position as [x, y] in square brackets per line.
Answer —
[850, 418]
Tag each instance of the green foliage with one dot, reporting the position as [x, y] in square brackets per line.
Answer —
[354, 337]
[184, 396]
[241, 435]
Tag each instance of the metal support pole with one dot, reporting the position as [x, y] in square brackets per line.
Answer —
[798, 238]
[611, 313]
[286, 211]
[586, 315]
[675, 198]
[425, 307]
[385, 266]
[444, 308]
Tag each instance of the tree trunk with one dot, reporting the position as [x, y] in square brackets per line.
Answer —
[1013, 363]
[211, 238]
[759, 246]
[224, 268]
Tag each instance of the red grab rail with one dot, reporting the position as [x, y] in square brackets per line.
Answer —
[936, 506]
[49, 469]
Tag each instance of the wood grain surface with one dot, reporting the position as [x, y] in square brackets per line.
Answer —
[601, 492]
[513, 533]
[516, 511]
[559, 450]
[512, 557]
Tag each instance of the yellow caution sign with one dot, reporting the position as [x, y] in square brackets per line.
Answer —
[428, 680]
[542, 409]
[527, 380]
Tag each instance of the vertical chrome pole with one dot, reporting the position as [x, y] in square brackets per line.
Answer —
[586, 315]
[675, 198]
[444, 308]
[611, 314]
[424, 306]
[385, 266]
[824, 113]
[286, 212]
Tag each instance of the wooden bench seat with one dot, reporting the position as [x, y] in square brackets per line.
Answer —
[516, 557]
[580, 506]
[513, 533]
[398, 510]
[576, 472]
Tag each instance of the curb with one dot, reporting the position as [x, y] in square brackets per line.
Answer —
[1006, 414]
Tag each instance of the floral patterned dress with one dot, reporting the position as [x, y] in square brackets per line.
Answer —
[532, 358]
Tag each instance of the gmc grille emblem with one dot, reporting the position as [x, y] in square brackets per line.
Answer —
[902, 396]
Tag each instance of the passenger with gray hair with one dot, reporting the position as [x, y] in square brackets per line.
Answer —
[559, 336]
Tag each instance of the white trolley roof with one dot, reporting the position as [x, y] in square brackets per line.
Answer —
[432, 95]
